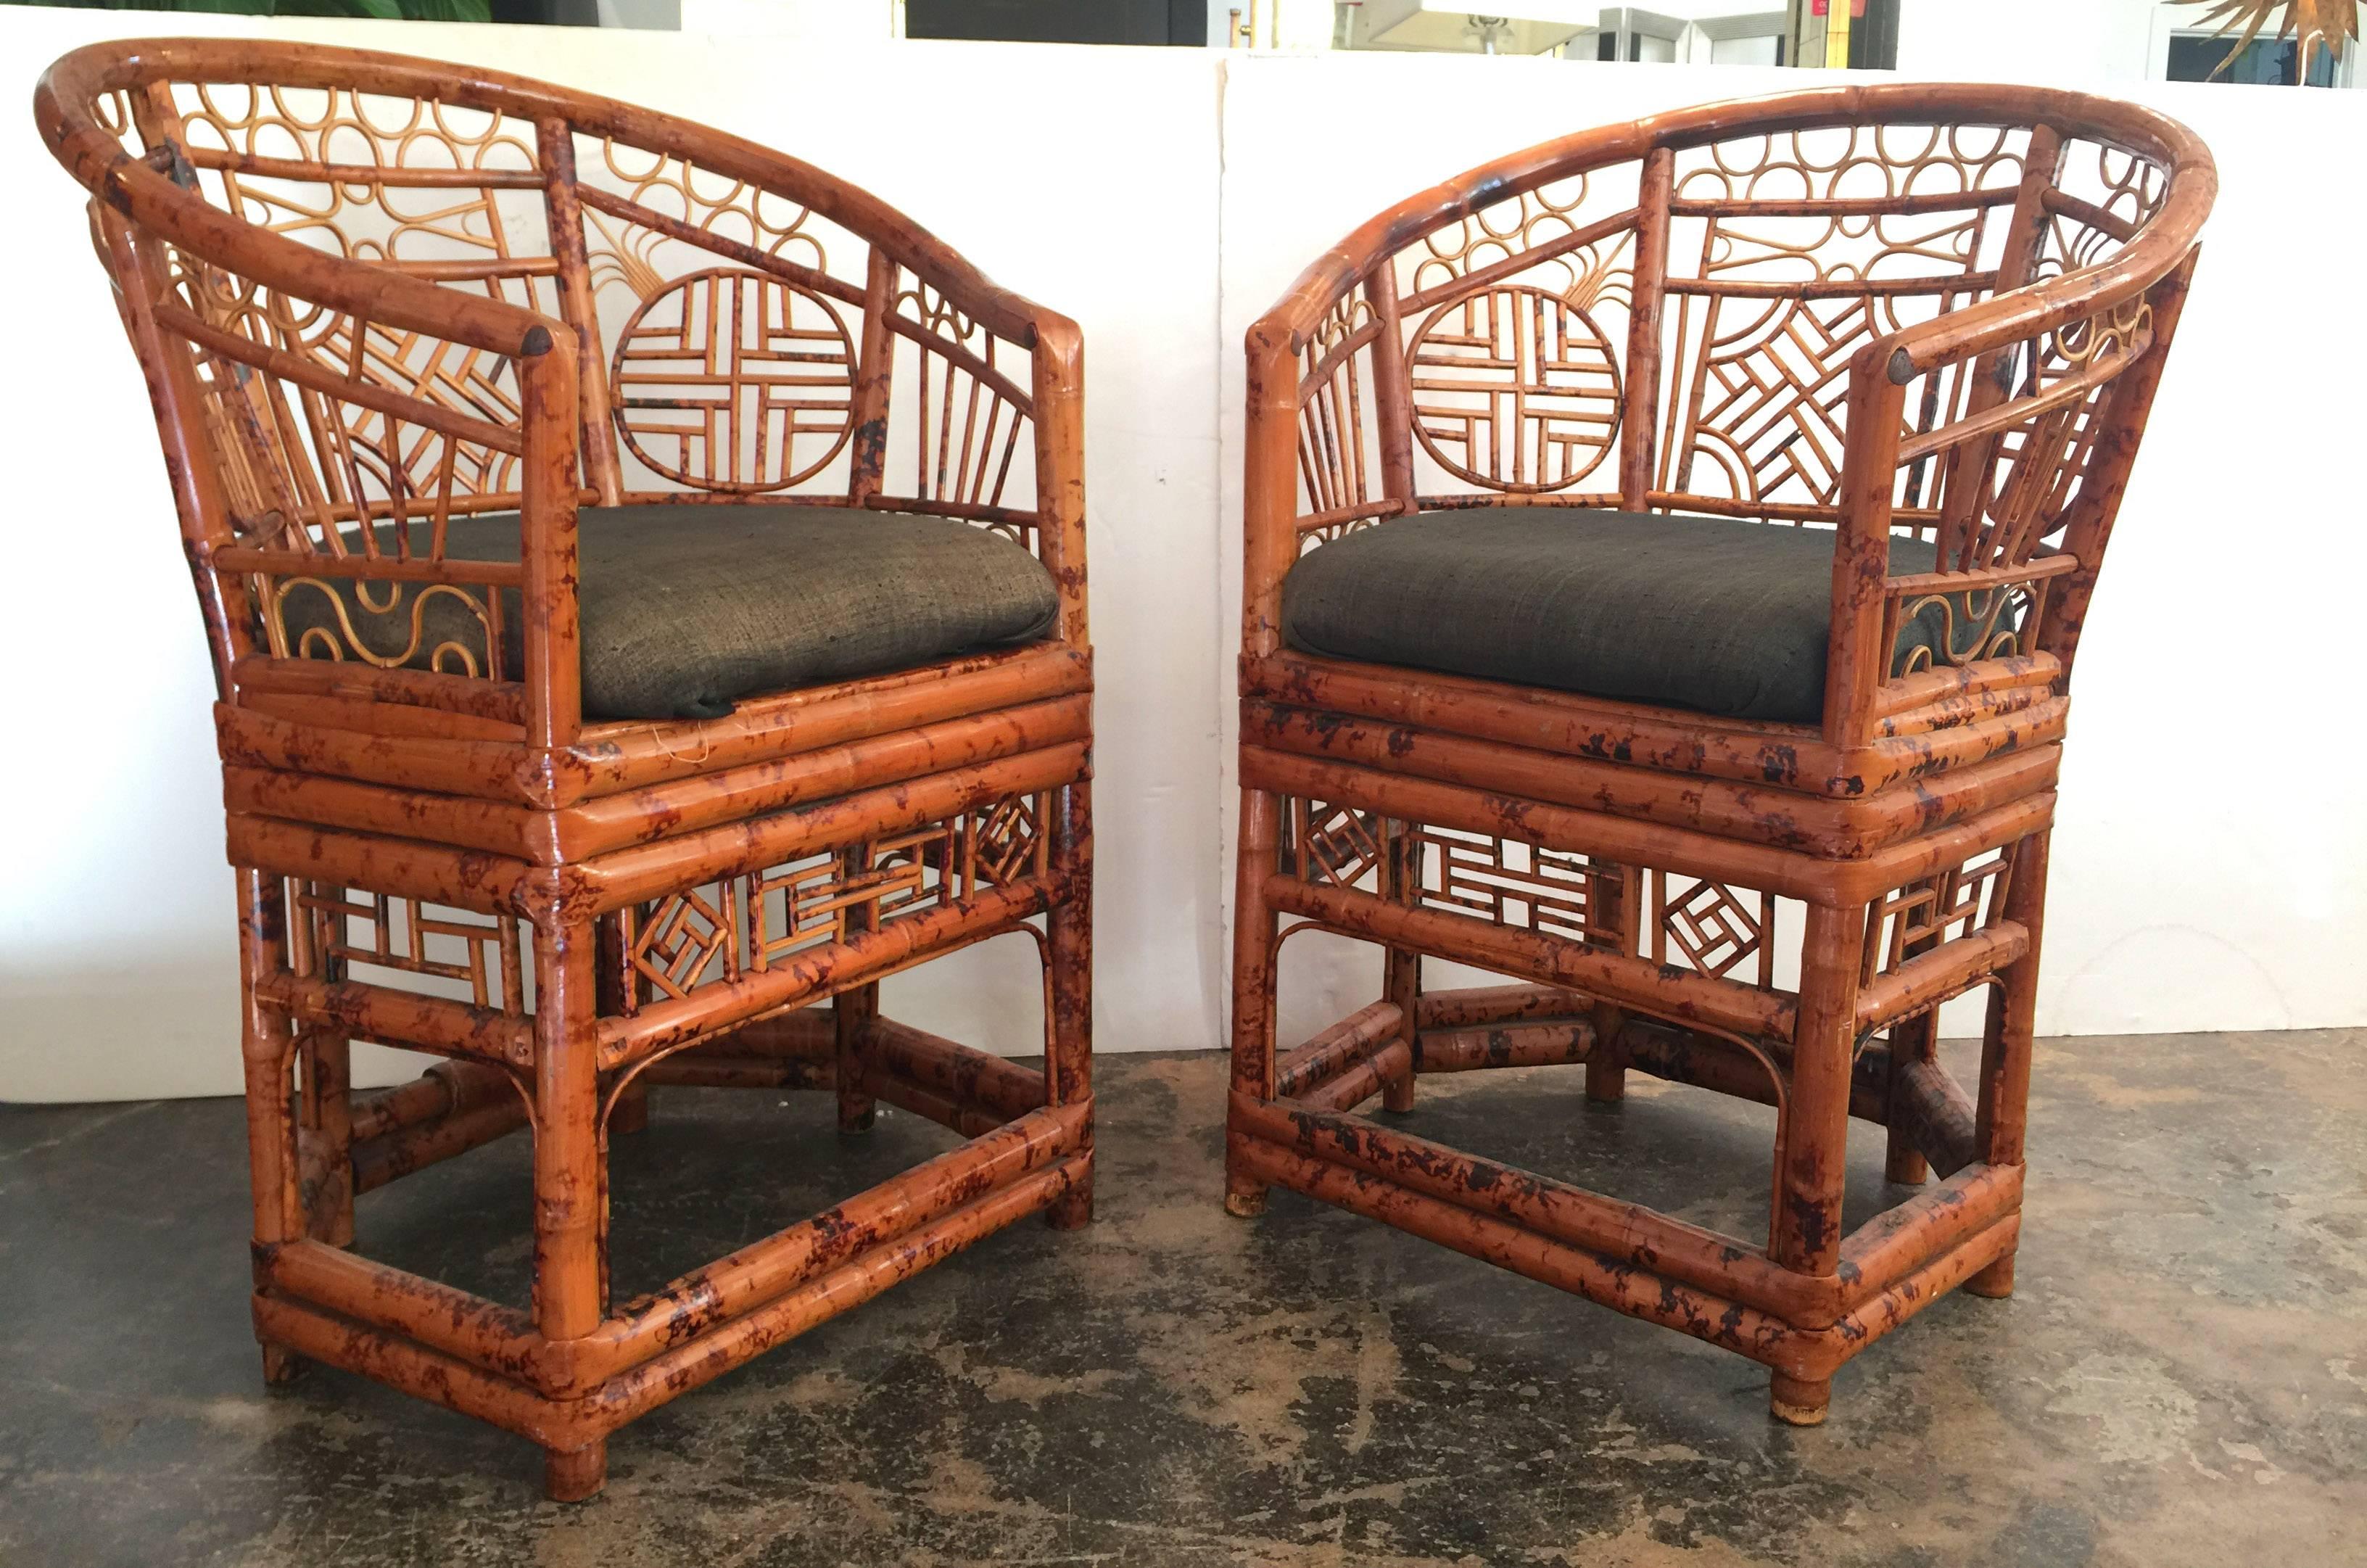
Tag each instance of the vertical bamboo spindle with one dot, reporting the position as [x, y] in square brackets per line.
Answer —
[567, 1266]
[548, 555]
[853, 1010]
[1618, 906]
[1392, 392]
[1069, 1073]
[2004, 1102]
[1641, 396]
[1912, 1042]
[1807, 1227]
[1253, 979]
[1401, 967]
[867, 417]
[555, 145]
[329, 1113]
[265, 1048]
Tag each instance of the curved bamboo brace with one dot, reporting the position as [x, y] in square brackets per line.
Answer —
[63, 98]
[2158, 249]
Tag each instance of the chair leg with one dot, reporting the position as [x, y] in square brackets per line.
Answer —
[329, 1116]
[2004, 1106]
[631, 1112]
[266, 1049]
[1401, 967]
[1253, 983]
[852, 1013]
[1799, 1402]
[1069, 983]
[1915, 1041]
[1813, 1159]
[1606, 1074]
[568, 1186]
[1606, 1070]
[1401, 977]
[570, 1475]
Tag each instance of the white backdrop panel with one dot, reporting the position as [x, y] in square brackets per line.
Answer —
[2193, 888]
[1085, 179]
[1164, 199]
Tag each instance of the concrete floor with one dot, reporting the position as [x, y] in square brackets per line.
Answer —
[2183, 1377]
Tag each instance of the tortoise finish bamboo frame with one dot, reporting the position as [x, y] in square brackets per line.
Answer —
[371, 289]
[1934, 310]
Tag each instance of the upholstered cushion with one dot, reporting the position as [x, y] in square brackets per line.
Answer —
[1720, 615]
[686, 608]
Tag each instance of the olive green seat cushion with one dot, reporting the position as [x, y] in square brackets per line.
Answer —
[1719, 615]
[687, 608]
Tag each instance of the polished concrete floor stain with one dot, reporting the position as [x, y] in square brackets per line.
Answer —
[2182, 1378]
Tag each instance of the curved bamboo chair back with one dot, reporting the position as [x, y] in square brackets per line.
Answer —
[365, 286]
[1932, 309]
[373, 297]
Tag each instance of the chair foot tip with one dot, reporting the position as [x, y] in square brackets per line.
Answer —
[573, 1475]
[1796, 1401]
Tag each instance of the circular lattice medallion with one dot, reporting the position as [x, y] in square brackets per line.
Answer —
[1515, 388]
[733, 380]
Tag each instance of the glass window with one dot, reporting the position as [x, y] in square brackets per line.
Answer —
[2264, 61]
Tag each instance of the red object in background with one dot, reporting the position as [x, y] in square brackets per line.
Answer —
[1823, 7]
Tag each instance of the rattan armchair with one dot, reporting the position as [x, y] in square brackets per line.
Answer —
[534, 764]
[1666, 552]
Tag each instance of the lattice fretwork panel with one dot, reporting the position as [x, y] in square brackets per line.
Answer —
[760, 919]
[333, 931]
[1503, 882]
[1506, 882]
[301, 462]
[2119, 193]
[1515, 320]
[1339, 459]
[1724, 932]
[1339, 846]
[962, 424]
[728, 379]
[1921, 916]
[2017, 489]
[452, 195]
[1515, 388]
[732, 317]
[1768, 303]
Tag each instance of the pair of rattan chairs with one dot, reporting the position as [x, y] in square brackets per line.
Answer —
[645, 580]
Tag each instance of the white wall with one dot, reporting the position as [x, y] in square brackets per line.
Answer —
[2097, 43]
[2013, 41]
[2193, 889]
[117, 956]
[808, 21]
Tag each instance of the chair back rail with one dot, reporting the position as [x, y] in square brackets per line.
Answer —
[374, 296]
[1938, 311]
